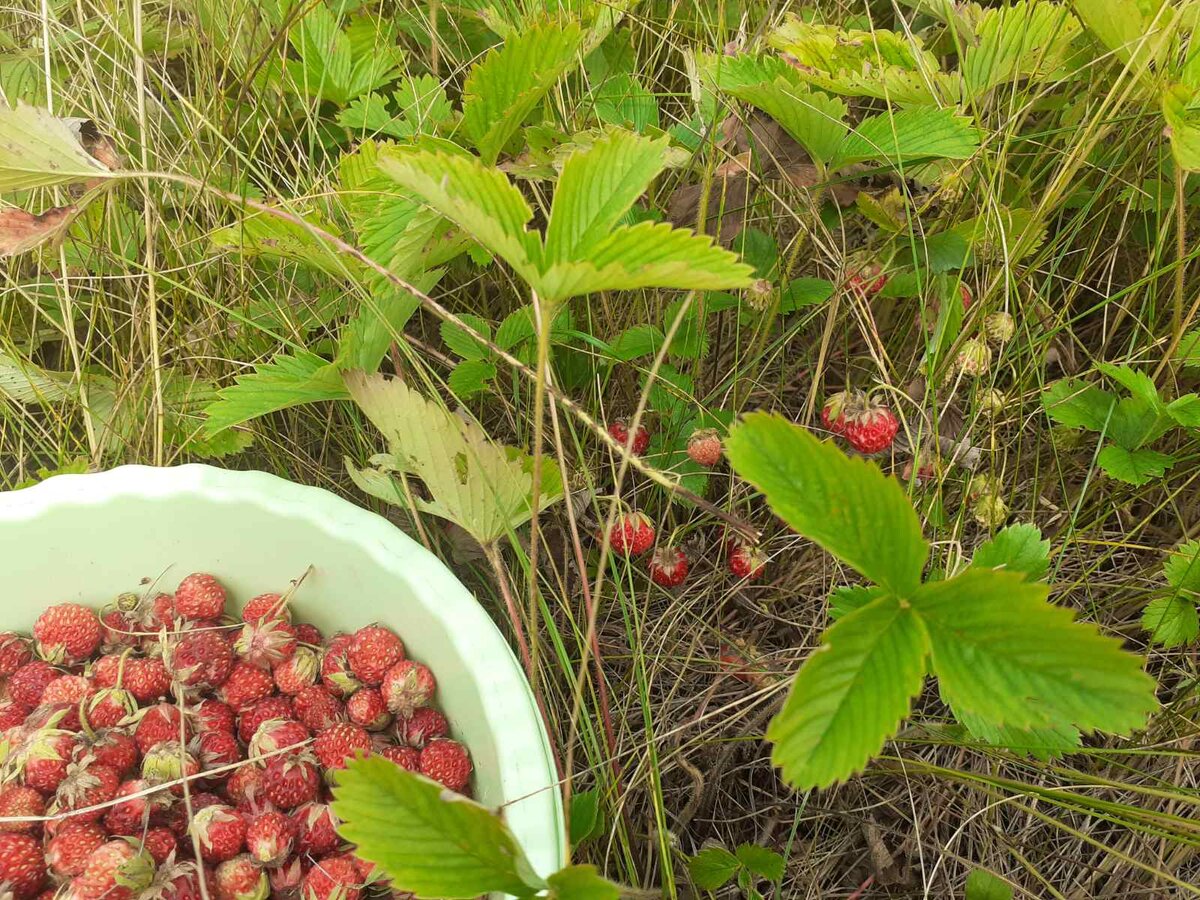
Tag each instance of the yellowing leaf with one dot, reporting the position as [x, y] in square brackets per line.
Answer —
[482, 487]
[38, 149]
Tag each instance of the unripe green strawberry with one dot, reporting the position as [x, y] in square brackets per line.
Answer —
[1000, 327]
[992, 402]
[974, 358]
[990, 511]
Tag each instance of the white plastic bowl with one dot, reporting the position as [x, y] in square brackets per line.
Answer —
[86, 538]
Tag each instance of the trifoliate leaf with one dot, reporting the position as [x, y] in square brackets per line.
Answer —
[847, 598]
[712, 868]
[850, 696]
[1017, 548]
[1182, 569]
[1078, 405]
[482, 487]
[844, 504]
[1185, 410]
[470, 377]
[1134, 466]
[1172, 621]
[426, 839]
[1000, 651]
[636, 342]
[907, 135]
[1047, 742]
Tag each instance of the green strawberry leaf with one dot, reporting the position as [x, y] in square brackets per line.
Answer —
[983, 885]
[1182, 569]
[1172, 621]
[1076, 404]
[426, 839]
[712, 868]
[587, 820]
[1003, 653]
[581, 883]
[762, 862]
[850, 696]
[1018, 548]
[1134, 466]
[844, 504]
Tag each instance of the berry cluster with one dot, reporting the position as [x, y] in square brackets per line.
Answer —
[161, 742]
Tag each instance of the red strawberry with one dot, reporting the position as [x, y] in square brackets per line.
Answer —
[68, 689]
[868, 280]
[114, 748]
[405, 757]
[316, 829]
[619, 429]
[285, 880]
[67, 634]
[45, 757]
[86, 784]
[295, 674]
[266, 643]
[307, 633]
[167, 763]
[29, 682]
[965, 293]
[246, 685]
[274, 735]
[335, 745]
[160, 843]
[178, 881]
[269, 838]
[107, 670]
[14, 653]
[240, 878]
[318, 708]
[199, 659]
[335, 667]
[157, 612]
[117, 625]
[425, 724]
[704, 447]
[668, 566]
[21, 801]
[406, 686]
[745, 560]
[160, 723]
[109, 707]
[266, 606]
[291, 781]
[244, 786]
[872, 431]
[117, 870]
[373, 650]
[68, 850]
[221, 831]
[368, 709]
[213, 715]
[12, 714]
[332, 878]
[446, 761]
[22, 867]
[264, 711]
[138, 801]
[147, 679]
[832, 413]
[200, 596]
[632, 534]
[215, 749]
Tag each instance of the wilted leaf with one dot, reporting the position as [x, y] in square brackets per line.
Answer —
[21, 231]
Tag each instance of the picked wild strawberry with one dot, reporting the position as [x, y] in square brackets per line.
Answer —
[332, 878]
[67, 634]
[115, 748]
[246, 685]
[199, 659]
[746, 561]
[619, 430]
[274, 735]
[146, 678]
[158, 724]
[269, 838]
[221, 831]
[22, 867]
[405, 757]
[68, 850]
[368, 709]
[704, 447]
[240, 879]
[371, 651]
[336, 673]
[297, 673]
[286, 878]
[244, 786]
[21, 801]
[632, 534]
[318, 708]
[446, 761]
[45, 758]
[425, 724]
[200, 596]
[406, 686]
[86, 784]
[30, 681]
[68, 689]
[167, 763]
[266, 606]
[307, 633]
[116, 870]
[343, 741]
[14, 653]
[109, 707]
[291, 781]
[266, 643]
[668, 566]
[264, 711]
[12, 714]
[136, 804]
[316, 829]
[160, 843]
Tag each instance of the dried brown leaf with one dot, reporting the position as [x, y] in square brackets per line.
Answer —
[22, 231]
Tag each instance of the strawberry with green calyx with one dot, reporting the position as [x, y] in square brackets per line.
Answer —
[974, 358]
[200, 596]
[332, 878]
[241, 878]
[117, 870]
[68, 634]
[270, 837]
[867, 425]
[368, 709]
[295, 674]
[406, 686]
[866, 280]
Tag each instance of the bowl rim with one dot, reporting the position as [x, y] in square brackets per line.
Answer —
[517, 728]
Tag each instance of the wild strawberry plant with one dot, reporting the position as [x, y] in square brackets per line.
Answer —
[1006, 660]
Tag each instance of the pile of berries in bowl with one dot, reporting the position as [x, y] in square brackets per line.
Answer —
[158, 742]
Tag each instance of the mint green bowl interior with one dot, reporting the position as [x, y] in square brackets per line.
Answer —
[86, 538]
